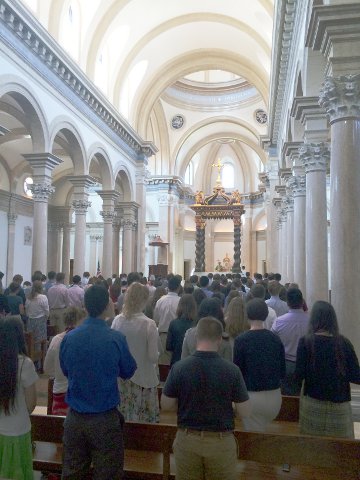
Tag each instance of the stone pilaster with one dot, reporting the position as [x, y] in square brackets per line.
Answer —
[341, 99]
[200, 244]
[315, 158]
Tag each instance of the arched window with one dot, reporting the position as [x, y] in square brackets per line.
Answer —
[189, 174]
[227, 176]
[70, 30]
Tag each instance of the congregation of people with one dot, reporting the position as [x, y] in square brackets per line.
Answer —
[233, 345]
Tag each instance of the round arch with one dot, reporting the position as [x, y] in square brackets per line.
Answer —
[123, 173]
[74, 140]
[97, 151]
[32, 110]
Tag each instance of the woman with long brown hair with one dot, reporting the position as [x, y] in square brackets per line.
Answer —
[17, 400]
[327, 363]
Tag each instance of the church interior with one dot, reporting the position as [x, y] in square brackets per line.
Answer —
[120, 118]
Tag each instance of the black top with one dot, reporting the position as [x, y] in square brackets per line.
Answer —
[323, 380]
[260, 356]
[206, 385]
[175, 337]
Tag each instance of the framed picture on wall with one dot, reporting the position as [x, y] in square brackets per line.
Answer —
[27, 235]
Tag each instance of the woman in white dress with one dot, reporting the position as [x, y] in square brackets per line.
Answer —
[139, 397]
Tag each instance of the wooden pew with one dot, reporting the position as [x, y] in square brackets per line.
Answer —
[261, 455]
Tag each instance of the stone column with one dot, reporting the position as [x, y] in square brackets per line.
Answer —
[116, 246]
[12, 216]
[276, 201]
[290, 236]
[298, 187]
[92, 262]
[315, 157]
[80, 205]
[54, 229]
[65, 261]
[247, 247]
[108, 214]
[140, 178]
[200, 244]
[283, 242]
[42, 165]
[341, 98]
[129, 226]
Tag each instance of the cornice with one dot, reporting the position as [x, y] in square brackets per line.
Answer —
[305, 107]
[14, 203]
[29, 40]
[330, 22]
[285, 28]
[290, 148]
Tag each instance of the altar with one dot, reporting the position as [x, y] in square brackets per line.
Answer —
[217, 206]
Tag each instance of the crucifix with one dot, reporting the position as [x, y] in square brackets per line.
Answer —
[219, 166]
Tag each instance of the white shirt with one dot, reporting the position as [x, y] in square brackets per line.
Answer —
[37, 307]
[270, 319]
[52, 364]
[278, 305]
[18, 422]
[142, 337]
[165, 311]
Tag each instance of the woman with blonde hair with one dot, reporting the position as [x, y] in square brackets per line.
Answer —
[236, 321]
[139, 397]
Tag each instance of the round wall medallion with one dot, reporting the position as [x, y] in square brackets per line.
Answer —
[261, 116]
[177, 121]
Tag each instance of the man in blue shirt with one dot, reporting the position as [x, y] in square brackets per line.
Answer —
[92, 357]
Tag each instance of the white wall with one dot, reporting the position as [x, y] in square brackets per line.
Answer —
[23, 253]
[4, 242]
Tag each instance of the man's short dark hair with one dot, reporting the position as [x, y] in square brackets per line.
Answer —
[76, 279]
[210, 275]
[204, 281]
[208, 328]
[194, 279]
[51, 275]
[258, 291]
[174, 283]
[60, 277]
[96, 300]
[133, 277]
[277, 277]
[294, 298]
[257, 309]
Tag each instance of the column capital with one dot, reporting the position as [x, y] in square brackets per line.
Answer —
[340, 97]
[80, 206]
[297, 184]
[129, 224]
[289, 203]
[108, 215]
[41, 191]
[315, 157]
[42, 164]
[95, 238]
